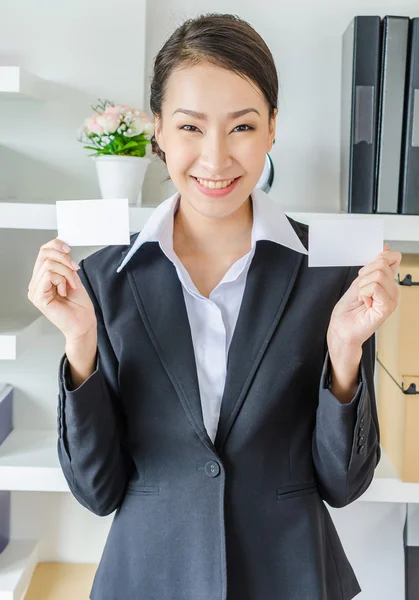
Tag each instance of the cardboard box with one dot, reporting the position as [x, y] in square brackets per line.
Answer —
[398, 415]
[398, 375]
[398, 337]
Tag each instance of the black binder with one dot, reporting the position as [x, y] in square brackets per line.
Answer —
[409, 181]
[361, 58]
[391, 112]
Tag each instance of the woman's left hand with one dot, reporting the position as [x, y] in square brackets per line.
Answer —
[368, 302]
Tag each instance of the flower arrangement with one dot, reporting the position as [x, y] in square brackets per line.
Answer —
[116, 129]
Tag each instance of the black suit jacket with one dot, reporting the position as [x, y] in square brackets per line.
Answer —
[242, 518]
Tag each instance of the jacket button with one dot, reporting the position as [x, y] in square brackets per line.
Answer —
[212, 468]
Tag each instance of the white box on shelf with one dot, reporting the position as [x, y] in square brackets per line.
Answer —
[17, 565]
[17, 83]
[17, 333]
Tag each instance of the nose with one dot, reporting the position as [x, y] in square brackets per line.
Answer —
[215, 156]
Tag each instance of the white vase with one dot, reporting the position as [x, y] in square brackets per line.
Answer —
[121, 176]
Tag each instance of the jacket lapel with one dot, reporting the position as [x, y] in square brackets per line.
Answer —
[159, 298]
[270, 280]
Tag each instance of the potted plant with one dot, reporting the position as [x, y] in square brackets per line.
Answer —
[118, 135]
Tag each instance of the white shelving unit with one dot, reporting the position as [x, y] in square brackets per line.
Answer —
[18, 84]
[17, 564]
[16, 333]
[42, 107]
[29, 462]
[24, 215]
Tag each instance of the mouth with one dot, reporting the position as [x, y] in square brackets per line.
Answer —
[215, 189]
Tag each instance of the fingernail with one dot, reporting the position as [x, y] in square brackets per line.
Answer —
[75, 265]
[66, 248]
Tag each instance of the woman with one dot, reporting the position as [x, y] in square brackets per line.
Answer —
[214, 390]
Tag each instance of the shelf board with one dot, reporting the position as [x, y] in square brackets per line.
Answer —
[17, 564]
[29, 462]
[17, 333]
[17, 83]
[388, 487]
[61, 581]
[23, 215]
[18, 215]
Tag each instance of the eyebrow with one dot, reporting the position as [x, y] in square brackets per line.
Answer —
[204, 117]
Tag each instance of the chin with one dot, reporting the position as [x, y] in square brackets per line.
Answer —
[216, 208]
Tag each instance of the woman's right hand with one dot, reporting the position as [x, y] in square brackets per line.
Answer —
[57, 291]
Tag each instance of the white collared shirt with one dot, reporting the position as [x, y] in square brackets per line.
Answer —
[212, 320]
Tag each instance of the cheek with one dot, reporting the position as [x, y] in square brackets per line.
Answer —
[182, 153]
[252, 157]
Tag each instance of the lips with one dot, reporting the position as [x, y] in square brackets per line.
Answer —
[232, 179]
[215, 192]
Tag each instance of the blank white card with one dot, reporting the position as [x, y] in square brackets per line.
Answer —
[93, 222]
[344, 242]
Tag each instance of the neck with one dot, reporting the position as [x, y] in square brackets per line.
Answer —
[196, 233]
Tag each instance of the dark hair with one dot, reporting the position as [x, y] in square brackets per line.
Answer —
[224, 40]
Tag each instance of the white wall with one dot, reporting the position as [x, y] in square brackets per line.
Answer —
[96, 49]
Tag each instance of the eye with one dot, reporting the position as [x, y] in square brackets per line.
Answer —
[249, 127]
[193, 128]
[183, 127]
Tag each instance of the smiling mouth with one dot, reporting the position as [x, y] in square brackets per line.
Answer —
[215, 185]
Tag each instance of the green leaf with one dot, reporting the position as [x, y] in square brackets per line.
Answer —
[129, 145]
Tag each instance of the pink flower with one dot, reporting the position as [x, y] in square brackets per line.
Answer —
[91, 126]
[112, 110]
[109, 121]
[118, 109]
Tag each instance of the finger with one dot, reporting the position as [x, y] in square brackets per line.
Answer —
[377, 296]
[385, 279]
[55, 244]
[392, 259]
[57, 267]
[47, 287]
[51, 254]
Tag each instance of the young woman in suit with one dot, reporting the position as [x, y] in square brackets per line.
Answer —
[214, 390]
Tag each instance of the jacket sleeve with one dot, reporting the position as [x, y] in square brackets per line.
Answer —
[346, 437]
[91, 427]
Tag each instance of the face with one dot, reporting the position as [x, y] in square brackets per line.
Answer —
[214, 145]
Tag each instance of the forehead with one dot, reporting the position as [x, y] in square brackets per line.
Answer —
[208, 88]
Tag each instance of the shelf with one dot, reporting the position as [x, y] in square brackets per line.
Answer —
[387, 487]
[17, 333]
[15, 215]
[17, 83]
[17, 564]
[61, 581]
[29, 462]
[400, 228]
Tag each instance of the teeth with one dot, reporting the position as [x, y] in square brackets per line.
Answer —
[215, 185]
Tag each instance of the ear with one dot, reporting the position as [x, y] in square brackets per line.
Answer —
[158, 132]
[272, 129]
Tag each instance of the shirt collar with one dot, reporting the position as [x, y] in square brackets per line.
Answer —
[269, 223]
